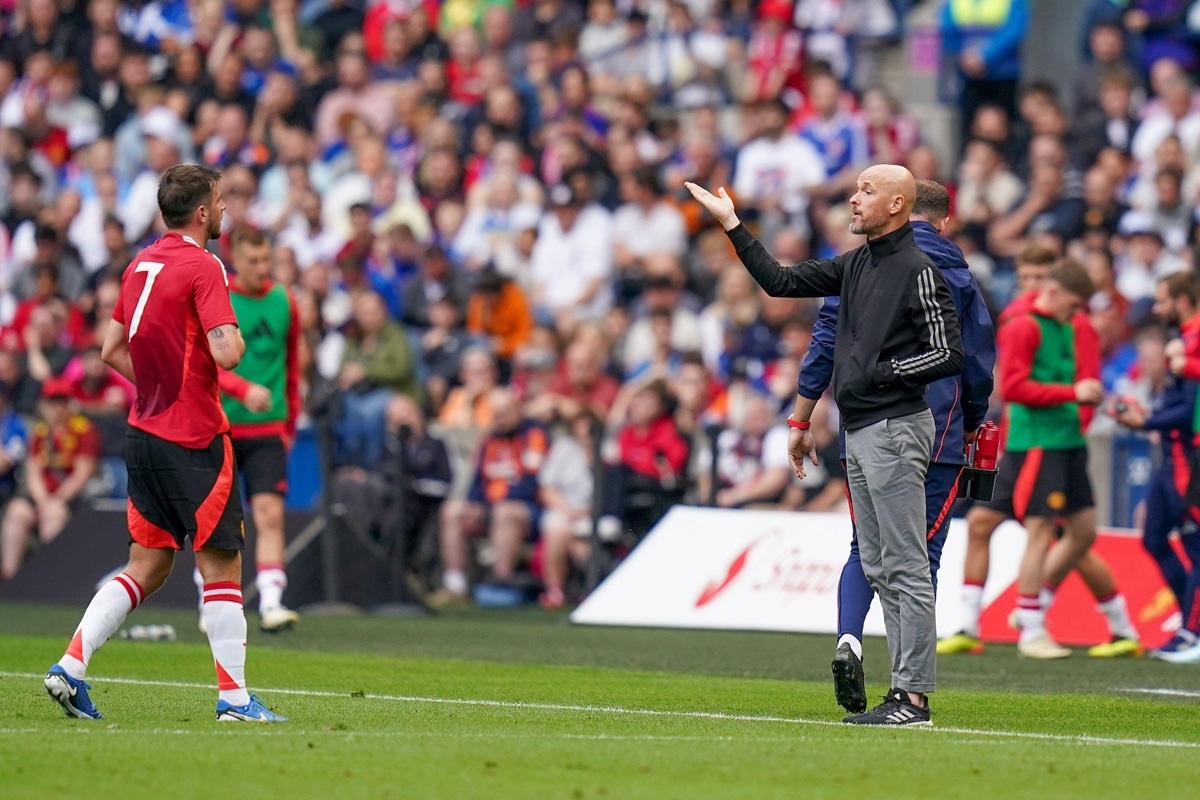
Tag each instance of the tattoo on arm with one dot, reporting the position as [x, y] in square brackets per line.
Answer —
[216, 333]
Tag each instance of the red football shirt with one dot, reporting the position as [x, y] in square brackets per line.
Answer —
[55, 451]
[172, 295]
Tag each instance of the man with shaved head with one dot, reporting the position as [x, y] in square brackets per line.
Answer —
[897, 331]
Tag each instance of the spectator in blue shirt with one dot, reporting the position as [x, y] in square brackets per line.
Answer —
[983, 37]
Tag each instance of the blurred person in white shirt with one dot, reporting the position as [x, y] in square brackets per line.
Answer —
[752, 465]
[572, 260]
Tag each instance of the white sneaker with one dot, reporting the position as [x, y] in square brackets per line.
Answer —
[1042, 647]
[277, 619]
[1186, 655]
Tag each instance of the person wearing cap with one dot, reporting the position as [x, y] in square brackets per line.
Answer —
[514, 257]
[1146, 258]
[63, 451]
[572, 259]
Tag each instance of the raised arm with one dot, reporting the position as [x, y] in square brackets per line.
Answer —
[817, 278]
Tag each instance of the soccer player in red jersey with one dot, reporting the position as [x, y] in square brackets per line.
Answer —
[172, 327]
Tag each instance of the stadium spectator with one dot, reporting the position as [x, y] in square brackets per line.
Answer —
[752, 469]
[377, 363]
[985, 46]
[987, 188]
[436, 279]
[498, 312]
[776, 170]
[838, 138]
[565, 489]
[103, 397]
[443, 347]
[502, 502]
[63, 449]
[1146, 258]
[579, 235]
[1112, 123]
[649, 473]
[469, 406]
[401, 498]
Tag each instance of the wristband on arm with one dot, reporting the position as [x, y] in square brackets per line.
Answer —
[800, 425]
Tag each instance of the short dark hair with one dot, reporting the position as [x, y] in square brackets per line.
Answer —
[184, 188]
[933, 201]
[1182, 284]
[1070, 275]
[247, 235]
[647, 178]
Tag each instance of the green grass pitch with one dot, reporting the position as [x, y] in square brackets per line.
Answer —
[523, 705]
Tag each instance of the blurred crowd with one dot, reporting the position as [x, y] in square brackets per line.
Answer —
[479, 207]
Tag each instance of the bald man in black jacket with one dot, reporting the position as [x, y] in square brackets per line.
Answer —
[897, 332]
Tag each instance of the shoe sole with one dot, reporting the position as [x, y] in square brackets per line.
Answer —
[1045, 656]
[239, 718]
[283, 626]
[60, 693]
[845, 688]
[925, 723]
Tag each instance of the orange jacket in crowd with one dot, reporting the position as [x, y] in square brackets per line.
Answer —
[507, 320]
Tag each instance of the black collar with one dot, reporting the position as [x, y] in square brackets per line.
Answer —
[887, 245]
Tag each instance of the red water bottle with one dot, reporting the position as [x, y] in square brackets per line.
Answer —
[987, 446]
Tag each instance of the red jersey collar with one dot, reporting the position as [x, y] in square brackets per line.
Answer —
[184, 237]
[234, 286]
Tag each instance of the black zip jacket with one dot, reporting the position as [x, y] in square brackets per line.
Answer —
[897, 329]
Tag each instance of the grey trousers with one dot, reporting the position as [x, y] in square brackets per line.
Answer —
[885, 467]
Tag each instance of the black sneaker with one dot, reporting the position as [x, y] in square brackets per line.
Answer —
[894, 710]
[849, 683]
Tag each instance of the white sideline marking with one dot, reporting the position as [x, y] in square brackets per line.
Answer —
[647, 712]
[1168, 692]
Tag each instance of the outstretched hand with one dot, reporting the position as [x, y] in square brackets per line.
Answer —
[720, 205]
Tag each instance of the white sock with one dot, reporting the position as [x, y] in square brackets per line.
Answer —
[972, 604]
[198, 579]
[455, 580]
[852, 640]
[1031, 618]
[226, 623]
[271, 583]
[104, 615]
[1117, 612]
[1046, 597]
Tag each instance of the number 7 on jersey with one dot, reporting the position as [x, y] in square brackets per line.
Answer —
[151, 268]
